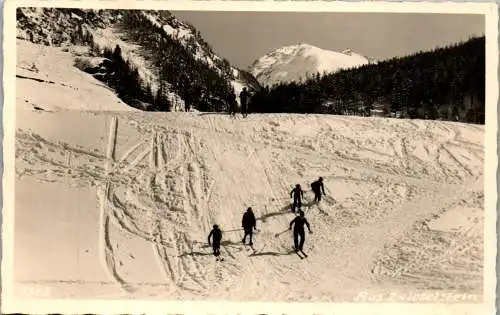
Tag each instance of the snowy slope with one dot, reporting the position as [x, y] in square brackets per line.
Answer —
[297, 62]
[140, 225]
[125, 201]
[48, 80]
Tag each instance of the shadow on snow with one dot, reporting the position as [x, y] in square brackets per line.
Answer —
[272, 254]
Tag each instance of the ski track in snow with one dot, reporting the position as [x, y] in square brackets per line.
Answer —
[190, 172]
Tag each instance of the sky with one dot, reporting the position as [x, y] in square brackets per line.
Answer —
[243, 37]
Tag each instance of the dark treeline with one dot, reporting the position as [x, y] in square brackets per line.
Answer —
[446, 83]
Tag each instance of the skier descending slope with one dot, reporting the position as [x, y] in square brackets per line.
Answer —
[243, 100]
[248, 223]
[216, 235]
[298, 230]
[318, 187]
[297, 195]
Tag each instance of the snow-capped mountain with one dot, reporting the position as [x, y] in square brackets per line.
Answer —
[297, 62]
[170, 56]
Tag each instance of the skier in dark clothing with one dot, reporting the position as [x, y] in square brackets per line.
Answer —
[216, 235]
[298, 229]
[318, 187]
[243, 100]
[297, 195]
[232, 106]
[248, 223]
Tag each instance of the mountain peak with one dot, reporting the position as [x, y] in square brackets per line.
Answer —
[302, 60]
[347, 51]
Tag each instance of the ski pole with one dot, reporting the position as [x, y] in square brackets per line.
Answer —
[278, 234]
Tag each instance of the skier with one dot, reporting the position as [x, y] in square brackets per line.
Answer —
[297, 195]
[298, 229]
[318, 187]
[232, 107]
[248, 223]
[243, 100]
[216, 235]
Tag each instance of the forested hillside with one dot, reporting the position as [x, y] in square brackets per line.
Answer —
[152, 60]
[446, 83]
[196, 81]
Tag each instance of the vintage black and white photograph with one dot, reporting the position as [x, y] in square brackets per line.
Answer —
[187, 154]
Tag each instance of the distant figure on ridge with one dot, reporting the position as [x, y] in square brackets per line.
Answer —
[232, 108]
[243, 100]
[298, 230]
[248, 223]
[318, 187]
[216, 235]
[297, 195]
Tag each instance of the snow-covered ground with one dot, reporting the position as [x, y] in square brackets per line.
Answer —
[46, 78]
[113, 203]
